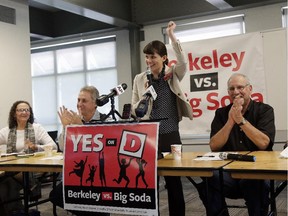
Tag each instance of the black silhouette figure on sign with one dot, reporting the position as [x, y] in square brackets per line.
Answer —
[141, 163]
[123, 166]
[102, 169]
[91, 174]
[79, 169]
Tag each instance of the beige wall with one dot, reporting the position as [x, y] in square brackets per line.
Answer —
[15, 72]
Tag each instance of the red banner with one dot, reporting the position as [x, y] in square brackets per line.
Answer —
[111, 168]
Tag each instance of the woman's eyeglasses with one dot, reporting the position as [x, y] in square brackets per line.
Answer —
[23, 110]
[239, 88]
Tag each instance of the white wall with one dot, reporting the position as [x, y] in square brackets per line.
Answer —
[275, 66]
[15, 72]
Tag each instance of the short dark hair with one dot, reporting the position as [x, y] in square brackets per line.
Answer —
[156, 47]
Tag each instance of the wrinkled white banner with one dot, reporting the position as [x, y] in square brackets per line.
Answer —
[210, 64]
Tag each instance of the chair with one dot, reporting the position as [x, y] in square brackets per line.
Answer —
[54, 136]
[276, 187]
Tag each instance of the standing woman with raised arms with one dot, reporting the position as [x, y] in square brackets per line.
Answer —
[169, 106]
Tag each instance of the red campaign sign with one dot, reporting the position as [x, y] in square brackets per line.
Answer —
[111, 168]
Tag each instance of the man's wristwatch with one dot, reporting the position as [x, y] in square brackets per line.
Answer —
[243, 121]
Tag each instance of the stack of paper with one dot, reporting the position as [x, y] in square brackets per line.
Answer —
[284, 153]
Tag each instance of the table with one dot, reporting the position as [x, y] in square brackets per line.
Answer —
[268, 166]
[189, 167]
[186, 167]
[30, 164]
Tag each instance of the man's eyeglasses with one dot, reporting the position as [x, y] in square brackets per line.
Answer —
[239, 88]
[23, 110]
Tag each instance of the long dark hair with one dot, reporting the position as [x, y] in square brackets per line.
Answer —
[12, 120]
[156, 47]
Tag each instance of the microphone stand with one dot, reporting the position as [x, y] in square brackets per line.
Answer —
[112, 111]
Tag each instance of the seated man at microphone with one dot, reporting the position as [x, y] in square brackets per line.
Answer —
[87, 114]
[244, 125]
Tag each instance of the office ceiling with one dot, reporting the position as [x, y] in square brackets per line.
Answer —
[58, 18]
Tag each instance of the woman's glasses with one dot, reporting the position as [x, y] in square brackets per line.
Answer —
[27, 110]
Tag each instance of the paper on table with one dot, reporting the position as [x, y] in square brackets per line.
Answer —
[9, 154]
[165, 154]
[284, 153]
[56, 157]
[210, 156]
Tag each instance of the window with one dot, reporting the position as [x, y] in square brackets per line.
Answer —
[284, 11]
[212, 28]
[60, 71]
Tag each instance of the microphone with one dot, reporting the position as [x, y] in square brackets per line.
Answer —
[149, 76]
[142, 107]
[118, 90]
[239, 157]
[126, 113]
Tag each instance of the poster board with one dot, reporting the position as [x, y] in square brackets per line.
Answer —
[111, 168]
